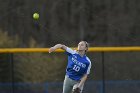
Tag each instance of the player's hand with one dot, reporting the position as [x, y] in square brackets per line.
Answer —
[51, 49]
[77, 90]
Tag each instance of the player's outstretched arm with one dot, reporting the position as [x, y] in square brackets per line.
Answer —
[57, 46]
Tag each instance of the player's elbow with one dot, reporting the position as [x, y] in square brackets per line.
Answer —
[63, 47]
[85, 76]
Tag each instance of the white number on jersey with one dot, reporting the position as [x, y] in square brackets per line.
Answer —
[76, 68]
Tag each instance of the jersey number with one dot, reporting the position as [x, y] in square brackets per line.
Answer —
[76, 68]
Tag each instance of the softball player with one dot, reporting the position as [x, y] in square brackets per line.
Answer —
[78, 67]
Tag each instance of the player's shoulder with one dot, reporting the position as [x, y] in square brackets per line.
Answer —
[71, 51]
[87, 58]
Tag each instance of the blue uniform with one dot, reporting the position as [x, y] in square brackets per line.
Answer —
[77, 65]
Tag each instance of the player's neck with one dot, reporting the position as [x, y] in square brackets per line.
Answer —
[81, 53]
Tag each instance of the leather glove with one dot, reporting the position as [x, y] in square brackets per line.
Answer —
[77, 90]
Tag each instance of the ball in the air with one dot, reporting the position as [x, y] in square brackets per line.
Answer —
[36, 16]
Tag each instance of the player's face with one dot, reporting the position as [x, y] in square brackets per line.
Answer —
[82, 46]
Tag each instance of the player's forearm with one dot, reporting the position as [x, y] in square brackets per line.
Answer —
[57, 46]
[84, 78]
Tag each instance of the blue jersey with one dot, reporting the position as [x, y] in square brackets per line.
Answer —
[77, 65]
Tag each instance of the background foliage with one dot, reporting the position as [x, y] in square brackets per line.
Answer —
[99, 22]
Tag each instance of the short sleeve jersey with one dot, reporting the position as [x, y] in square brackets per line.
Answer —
[77, 65]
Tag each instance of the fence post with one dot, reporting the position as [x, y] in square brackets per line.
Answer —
[103, 73]
[12, 70]
[46, 87]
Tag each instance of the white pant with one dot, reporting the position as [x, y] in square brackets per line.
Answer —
[70, 84]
